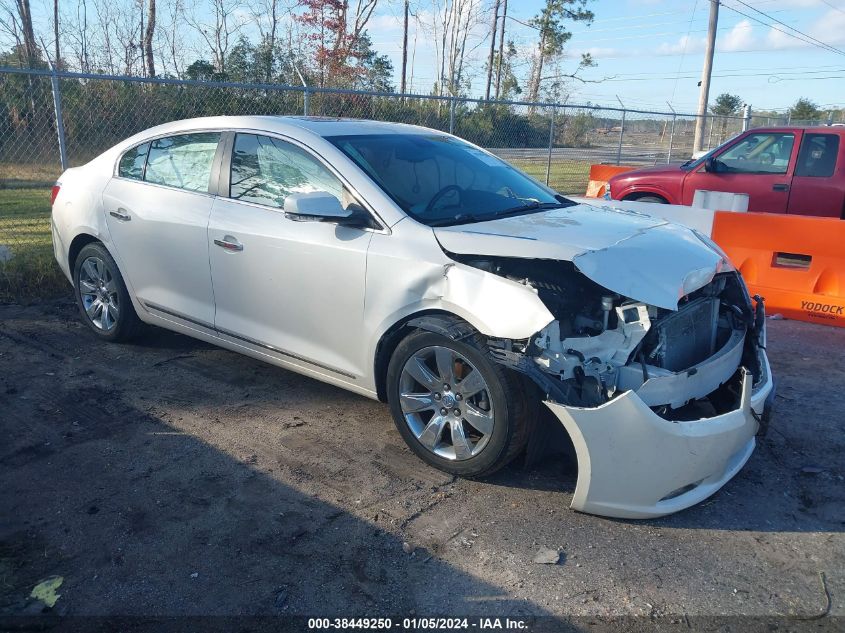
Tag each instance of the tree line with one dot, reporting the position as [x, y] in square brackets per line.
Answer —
[324, 43]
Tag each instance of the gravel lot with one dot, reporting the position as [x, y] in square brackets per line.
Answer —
[170, 477]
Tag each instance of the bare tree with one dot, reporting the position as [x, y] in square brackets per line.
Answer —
[492, 48]
[268, 15]
[148, 38]
[220, 34]
[451, 27]
[172, 35]
[363, 12]
[19, 26]
[501, 48]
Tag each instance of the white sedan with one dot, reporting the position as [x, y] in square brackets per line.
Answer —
[407, 265]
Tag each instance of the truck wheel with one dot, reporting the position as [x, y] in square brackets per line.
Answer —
[652, 199]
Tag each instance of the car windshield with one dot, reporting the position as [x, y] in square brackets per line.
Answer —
[440, 180]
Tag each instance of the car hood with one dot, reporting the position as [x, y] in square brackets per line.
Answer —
[672, 169]
[640, 257]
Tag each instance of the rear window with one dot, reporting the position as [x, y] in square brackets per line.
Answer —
[182, 161]
[132, 162]
[817, 157]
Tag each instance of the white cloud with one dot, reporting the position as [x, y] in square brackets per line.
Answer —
[739, 38]
[684, 44]
[598, 52]
[829, 28]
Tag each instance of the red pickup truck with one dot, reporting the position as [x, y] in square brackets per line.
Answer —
[783, 170]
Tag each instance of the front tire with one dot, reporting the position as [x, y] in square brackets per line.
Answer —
[650, 199]
[455, 408]
[101, 295]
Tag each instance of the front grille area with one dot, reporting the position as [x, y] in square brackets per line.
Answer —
[684, 338]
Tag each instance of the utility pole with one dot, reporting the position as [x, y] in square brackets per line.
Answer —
[704, 95]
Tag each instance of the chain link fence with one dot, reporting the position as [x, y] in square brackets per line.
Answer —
[50, 121]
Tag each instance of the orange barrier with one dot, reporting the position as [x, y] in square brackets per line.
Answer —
[599, 175]
[795, 262]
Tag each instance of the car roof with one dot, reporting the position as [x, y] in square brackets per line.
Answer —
[291, 125]
[818, 129]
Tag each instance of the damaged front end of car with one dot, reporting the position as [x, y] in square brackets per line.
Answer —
[662, 405]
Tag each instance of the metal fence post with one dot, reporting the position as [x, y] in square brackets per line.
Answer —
[60, 126]
[621, 135]
[551, 145]
[306, 94]
[746, 118]
[451, 115]
[671, 140]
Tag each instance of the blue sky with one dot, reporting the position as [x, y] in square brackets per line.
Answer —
[651, 51]
[648, 52]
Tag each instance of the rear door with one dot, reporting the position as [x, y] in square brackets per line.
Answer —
[759, 164]
[157, 210]
[818, 186]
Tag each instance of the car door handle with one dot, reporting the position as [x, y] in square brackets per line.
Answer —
[121, 214]
[780, 187]
[229, 243]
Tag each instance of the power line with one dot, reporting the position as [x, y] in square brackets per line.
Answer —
[835, 8]
[726, 74]
[825, 44]
[684, 53]
[811, 40]
[809, 68]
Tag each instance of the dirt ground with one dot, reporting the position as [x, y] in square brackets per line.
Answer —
[171, 477]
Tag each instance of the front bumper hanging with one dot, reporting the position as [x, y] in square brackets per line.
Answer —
[634, 464]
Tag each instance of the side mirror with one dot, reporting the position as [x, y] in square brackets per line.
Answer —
[314, 205]
[358, 218]
[711, 165]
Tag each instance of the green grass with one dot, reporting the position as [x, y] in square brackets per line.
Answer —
[25, 227]
[31, 272]
[566, 176]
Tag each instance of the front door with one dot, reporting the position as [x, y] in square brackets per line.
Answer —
[157, 210]
[759, 164]
[287, 287]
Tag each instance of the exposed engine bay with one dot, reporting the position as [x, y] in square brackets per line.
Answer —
[684, 364]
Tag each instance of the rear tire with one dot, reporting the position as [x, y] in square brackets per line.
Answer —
[102, 297]
[474, 427]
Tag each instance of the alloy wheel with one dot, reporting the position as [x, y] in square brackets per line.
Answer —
[98, 290]
[446, 403]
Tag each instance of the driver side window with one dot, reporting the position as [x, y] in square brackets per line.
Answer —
[764, 153]
[267, 170]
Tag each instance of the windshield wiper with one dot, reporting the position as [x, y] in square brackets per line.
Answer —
[533, 205]
[458, 219]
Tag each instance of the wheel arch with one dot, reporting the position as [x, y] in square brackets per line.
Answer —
[77, 244]
[439, 321]
[633, 196]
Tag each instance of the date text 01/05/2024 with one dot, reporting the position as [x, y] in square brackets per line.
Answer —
[417, 623]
